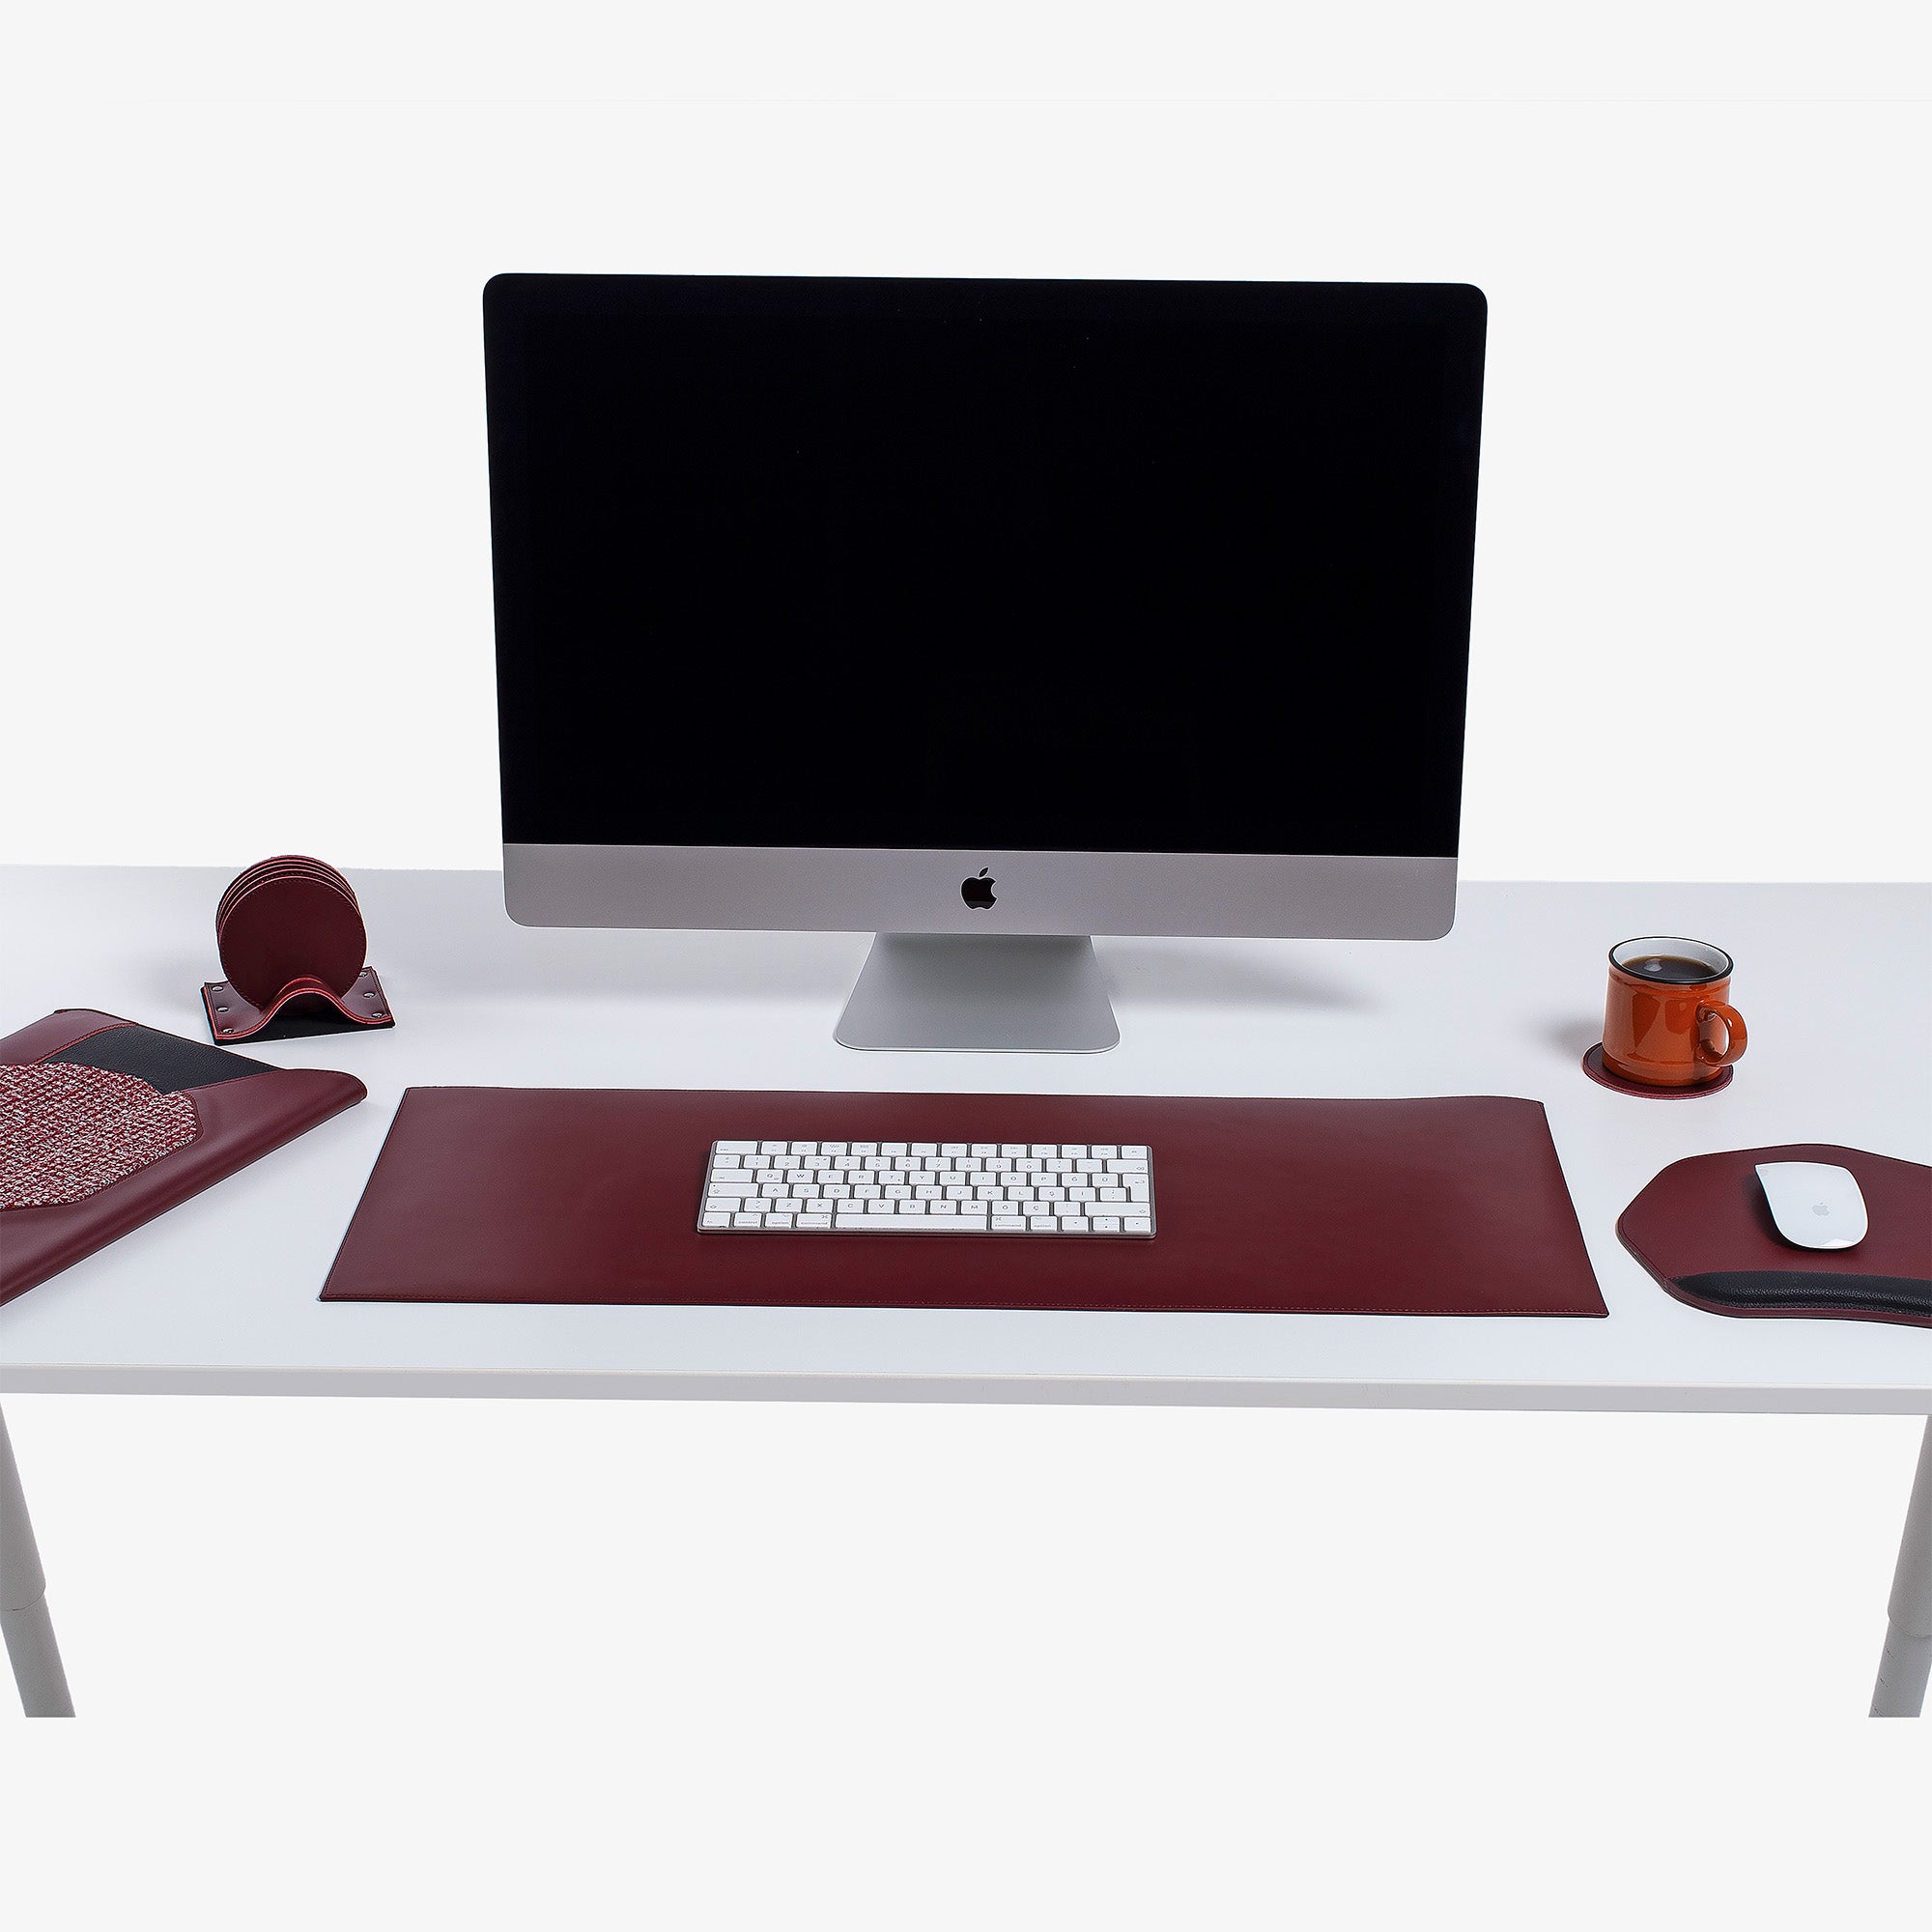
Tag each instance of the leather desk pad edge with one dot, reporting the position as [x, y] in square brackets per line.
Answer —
[369, 1267]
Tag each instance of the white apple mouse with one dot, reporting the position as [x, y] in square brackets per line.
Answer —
[1814, 1206]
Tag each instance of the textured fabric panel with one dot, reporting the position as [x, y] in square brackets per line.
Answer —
[66, 1131]
[167, 1062]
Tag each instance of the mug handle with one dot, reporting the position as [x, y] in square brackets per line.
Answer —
[1734, 1027]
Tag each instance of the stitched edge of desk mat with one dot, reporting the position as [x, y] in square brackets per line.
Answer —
[1705, 1217]
[245, 1109]
[1423, 1206]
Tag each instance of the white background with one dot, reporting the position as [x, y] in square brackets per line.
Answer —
[480, 1663]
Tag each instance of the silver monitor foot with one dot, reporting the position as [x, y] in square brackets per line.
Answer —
[991, 993]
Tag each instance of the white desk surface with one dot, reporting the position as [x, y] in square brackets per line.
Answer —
[219, 1295]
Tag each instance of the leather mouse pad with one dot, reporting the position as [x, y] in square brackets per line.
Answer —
[1436, 1206]
[1703, 1228]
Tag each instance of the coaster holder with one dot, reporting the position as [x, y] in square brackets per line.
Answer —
[292, 925]
[304, 1006]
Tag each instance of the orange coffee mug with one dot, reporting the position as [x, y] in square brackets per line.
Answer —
[1666, 1023]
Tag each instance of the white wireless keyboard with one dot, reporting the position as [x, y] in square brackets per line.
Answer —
[927, 1187]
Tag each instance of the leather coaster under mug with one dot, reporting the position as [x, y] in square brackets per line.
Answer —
[291, 942]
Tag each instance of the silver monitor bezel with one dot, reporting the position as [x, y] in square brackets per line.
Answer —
[816, 888]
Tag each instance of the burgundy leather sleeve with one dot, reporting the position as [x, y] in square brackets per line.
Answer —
[1433, 1206]
[55, 1034]
[1706, 1218]
[239, 1122]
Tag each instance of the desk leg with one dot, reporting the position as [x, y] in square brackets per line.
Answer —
[23, 1602]
[1907, 1642]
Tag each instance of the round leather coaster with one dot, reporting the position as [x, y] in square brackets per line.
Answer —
[290, 927]
[1593, 1065]
[227, 911]
[289, 865]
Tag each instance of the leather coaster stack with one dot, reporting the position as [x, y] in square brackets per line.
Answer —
[293, 944]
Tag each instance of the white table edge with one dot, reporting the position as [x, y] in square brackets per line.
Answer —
[1121, 1391]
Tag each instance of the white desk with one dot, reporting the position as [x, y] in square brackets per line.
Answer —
[221, 1294]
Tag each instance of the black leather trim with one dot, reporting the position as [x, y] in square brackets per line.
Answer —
[166, 1063]
[1773, 1287]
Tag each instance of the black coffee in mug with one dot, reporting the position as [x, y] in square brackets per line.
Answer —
[1667, 969]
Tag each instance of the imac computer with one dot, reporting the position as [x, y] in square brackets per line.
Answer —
[986, 615]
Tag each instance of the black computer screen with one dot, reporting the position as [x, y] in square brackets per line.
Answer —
[994, 565]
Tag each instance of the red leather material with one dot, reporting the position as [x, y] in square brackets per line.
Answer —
[289, 926]
[55, 1034]
[241, 1121]
[232, 1019]
[1708, 1215]
[291, 938]
[1440, 1206]
[1593, 1065]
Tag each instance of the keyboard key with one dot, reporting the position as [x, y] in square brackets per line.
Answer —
[942, 1188]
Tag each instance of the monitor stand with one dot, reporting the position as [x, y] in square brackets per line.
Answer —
[979, 993]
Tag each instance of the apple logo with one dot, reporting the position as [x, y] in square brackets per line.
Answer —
[977, 893]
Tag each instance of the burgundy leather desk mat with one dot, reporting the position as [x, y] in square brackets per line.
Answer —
[71, 1142]
[1705, 1219]
[1437, 1206]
